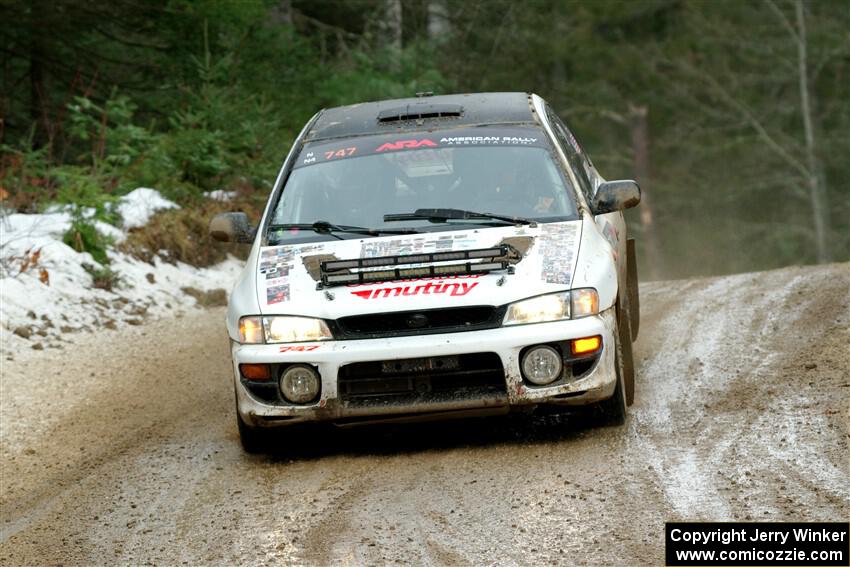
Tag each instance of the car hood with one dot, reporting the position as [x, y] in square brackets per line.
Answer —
[288, 277]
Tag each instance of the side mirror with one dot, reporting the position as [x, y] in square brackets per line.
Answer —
[232, 227]
[615, 196]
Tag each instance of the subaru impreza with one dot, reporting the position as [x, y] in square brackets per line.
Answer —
[433, 257]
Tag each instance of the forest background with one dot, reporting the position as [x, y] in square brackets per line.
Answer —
[733, 115]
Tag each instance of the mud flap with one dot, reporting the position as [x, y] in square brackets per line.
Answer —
[632, 288]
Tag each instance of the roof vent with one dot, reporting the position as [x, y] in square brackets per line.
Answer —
[420, 112]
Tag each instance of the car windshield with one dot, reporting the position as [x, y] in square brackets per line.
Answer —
[357, 181]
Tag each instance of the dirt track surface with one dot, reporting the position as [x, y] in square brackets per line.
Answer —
[123, 450]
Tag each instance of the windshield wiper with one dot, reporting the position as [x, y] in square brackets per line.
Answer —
[442, 215]
[324, 227]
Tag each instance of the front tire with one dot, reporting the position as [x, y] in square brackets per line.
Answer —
[614, 408]
[254, 439]
[624, 338]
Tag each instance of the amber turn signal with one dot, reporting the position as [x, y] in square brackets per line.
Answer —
[251, 330]
[255, 371]
[586, 345]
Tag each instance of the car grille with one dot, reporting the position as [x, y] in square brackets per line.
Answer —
[422, 379]
[419, 322]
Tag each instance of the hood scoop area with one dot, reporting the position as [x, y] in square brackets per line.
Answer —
[410, 266]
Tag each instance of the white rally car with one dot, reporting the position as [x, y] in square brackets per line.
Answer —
[438, 256]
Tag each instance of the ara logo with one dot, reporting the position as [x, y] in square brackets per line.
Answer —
[406, 144]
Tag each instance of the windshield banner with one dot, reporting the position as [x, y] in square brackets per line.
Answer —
[410, 141]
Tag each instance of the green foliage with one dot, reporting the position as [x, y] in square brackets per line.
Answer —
[24, 175]
[80, 188]
[381, 75]
[199, 155]
[83, 236]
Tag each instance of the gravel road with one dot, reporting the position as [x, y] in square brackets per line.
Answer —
[121, 449]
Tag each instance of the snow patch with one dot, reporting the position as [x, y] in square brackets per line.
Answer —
[221, 195]
[139, 205]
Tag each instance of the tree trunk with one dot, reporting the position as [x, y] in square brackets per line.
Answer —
[817, 191]
[560, 27]
[438, 20]
[36, 76]
[393, 23]
[640, 148]
[281, 13]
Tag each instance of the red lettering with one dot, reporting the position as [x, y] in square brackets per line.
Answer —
[345, 152]
[306, 348]
[453, 289]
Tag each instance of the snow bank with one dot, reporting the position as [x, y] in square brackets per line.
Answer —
[45, 299]
[139, 205]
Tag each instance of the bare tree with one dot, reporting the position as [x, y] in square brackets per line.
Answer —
[800, 157]
[817, 189]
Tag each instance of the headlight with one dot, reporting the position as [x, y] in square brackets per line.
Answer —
[282, 329]
[295, 329]
[553, 307]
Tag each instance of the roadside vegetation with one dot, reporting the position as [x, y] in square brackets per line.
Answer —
[733, 116]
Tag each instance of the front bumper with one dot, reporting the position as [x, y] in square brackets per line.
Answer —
[507, 342]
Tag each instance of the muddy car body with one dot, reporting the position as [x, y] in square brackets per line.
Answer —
[429, 257]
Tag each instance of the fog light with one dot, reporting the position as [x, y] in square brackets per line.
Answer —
[541, 365]
[300, 383]
[586, 345]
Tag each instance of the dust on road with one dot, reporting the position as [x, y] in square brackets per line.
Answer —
[122, 449]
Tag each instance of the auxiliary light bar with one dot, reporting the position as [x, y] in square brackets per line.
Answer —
[337, 272]
[336, 265]
[410, 273]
